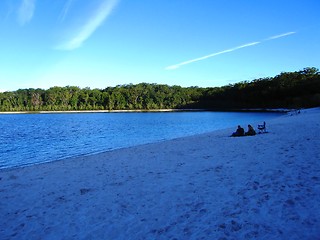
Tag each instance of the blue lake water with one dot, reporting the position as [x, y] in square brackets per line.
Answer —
[35, 138]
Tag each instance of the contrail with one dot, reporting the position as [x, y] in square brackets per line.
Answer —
[280, 36]
[210, 55]
[175, 66]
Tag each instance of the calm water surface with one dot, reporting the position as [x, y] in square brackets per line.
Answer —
[35, 138]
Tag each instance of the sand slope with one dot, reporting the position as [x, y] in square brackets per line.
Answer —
[203, 187]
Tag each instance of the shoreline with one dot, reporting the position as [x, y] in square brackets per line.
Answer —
[207, 186]
[86, 143]
[283, 110]
[72, 158]
[104, 111]
[69, 156]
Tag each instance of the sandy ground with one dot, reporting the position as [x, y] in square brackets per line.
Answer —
[209, 186]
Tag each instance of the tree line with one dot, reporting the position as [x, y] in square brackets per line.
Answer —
[287, 90]
[141, 96]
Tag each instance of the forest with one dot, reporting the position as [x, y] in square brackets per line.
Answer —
[299, 89]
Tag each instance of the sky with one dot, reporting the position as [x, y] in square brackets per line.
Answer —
[103, 43]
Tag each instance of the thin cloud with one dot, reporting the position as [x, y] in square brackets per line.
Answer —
[65, 10]
[26, 11]
[96, 20]
[173, 67]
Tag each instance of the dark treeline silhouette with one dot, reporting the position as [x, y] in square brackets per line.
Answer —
[287, 90]
[299, 89]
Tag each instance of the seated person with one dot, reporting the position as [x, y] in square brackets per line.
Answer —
[239, 132]
[251, 131]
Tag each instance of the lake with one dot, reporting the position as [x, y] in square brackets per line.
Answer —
[36, 138]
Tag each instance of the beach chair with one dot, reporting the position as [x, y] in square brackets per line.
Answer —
[262, 128]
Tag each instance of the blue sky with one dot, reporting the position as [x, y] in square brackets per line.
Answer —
[206, 43]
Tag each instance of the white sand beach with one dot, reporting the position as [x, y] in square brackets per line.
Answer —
[209, 186]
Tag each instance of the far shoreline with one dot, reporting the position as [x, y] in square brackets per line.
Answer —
[278, 110]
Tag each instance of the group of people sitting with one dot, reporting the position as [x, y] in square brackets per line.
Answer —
[240, 132]
[251, 132]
